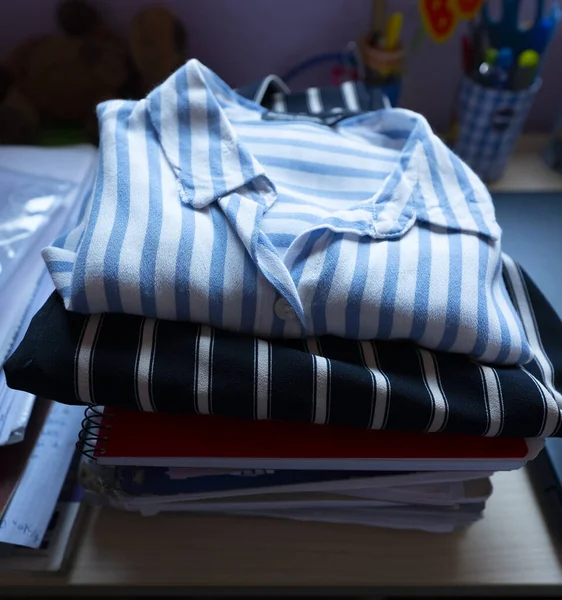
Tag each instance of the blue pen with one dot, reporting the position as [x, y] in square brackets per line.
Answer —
[502, 68]
[543, 32]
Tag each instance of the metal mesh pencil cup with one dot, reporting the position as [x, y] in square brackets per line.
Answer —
[489, 124]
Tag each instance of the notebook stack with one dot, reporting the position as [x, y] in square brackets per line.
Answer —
[154, 463]
[303, 316]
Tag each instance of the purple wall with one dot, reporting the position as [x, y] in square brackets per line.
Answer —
[245, 39]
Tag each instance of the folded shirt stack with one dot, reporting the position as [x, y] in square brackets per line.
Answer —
[205, 210]
[237, 261]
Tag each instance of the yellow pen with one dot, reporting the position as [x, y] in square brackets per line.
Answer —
[393, 28]
[526, 70]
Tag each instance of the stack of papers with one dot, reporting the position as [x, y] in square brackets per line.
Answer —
[43, 192]
[432, 501]
[154, 463]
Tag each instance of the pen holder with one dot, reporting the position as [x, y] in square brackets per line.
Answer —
[383, 68]
[489, 124]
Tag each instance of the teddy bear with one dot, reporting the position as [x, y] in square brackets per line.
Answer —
[56, 81]
[158, 43]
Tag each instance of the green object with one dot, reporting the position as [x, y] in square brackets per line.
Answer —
[490, 55]
[62, 134]
[528, 58]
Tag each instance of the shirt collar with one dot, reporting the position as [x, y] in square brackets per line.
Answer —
[188, 115]
[428, 183]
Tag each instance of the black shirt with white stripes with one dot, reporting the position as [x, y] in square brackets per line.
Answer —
[155, 365]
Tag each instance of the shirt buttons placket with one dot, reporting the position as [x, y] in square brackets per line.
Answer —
[283, 310]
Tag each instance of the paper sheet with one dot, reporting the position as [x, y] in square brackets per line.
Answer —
[58, 543]
[19, 415]
[27, 517]
[438, 520]
[434, 521]
[13, 403]
[74, 165]
[61, 534]
[447, 496]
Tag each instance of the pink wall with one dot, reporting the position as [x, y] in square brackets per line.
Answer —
[245, 39]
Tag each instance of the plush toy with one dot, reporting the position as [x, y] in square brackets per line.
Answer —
[158, 45]
[66, 77]
[56, 81]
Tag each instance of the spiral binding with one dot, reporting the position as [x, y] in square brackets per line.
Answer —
[93, 431]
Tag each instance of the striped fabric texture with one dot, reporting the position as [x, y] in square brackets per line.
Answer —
[147, 364]
[211, 209]
[351, 97]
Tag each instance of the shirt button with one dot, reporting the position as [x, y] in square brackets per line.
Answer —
[283, 309]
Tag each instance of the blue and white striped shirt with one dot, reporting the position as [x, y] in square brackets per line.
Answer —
[209, 208]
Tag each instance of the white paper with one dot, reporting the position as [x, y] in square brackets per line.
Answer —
[6, 401]
[444, 494]
[74, 165]
[355, 464]
[411, 517]
[437, 522]
[432, 496]
[15, 425]
[217, 507]
[27, 517]
[59, 543]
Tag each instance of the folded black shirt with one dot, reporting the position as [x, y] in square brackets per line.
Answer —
[137, 363]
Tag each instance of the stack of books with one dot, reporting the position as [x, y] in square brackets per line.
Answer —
[152, 463]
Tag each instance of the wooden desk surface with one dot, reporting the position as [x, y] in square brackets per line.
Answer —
[122, 552]
[527, 171]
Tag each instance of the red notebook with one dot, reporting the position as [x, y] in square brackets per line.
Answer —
[154, 439]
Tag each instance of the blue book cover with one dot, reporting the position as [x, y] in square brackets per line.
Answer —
[161, 481]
